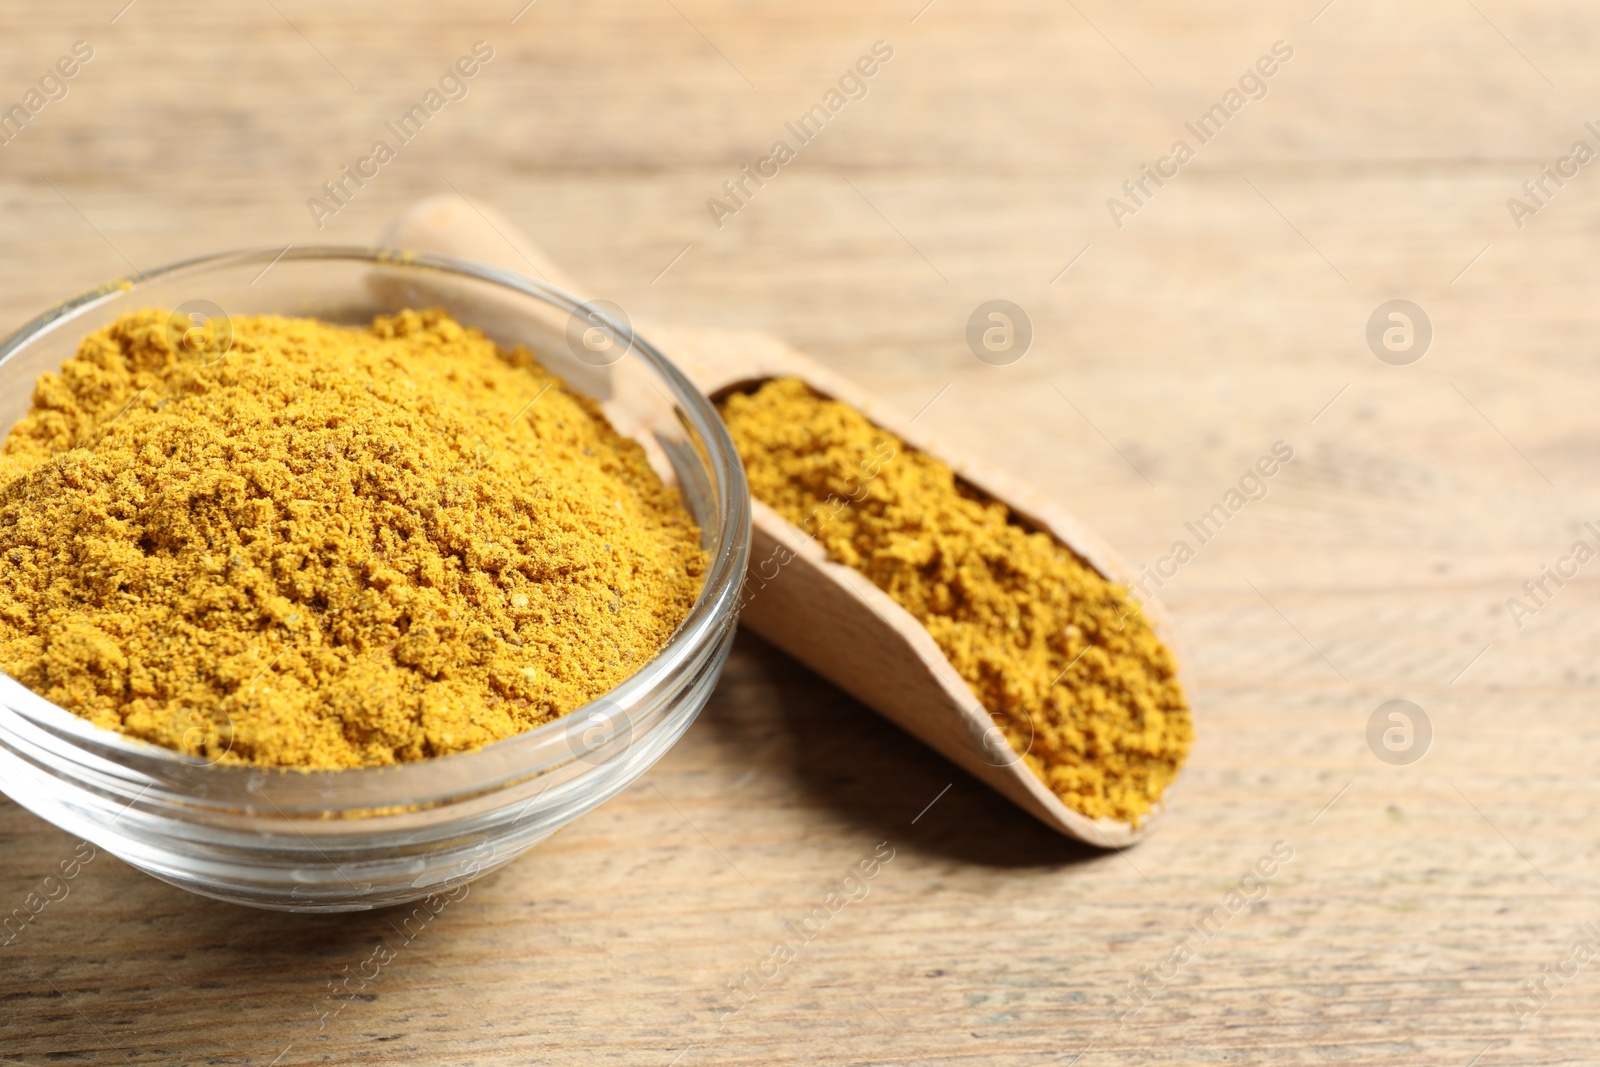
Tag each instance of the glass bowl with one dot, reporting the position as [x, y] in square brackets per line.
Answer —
[365, 838]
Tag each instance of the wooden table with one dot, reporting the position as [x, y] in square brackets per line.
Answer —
[1228, 312]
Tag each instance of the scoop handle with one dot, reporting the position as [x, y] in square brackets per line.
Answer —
[451, 225]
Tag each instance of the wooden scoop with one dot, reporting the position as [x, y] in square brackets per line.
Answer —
[828, 616]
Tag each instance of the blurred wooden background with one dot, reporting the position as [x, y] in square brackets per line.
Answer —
[1228, 313]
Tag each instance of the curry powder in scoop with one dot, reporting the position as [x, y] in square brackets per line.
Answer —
[330, 547]
[1059, 656]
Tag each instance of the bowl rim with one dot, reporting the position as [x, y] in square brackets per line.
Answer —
[715, 608]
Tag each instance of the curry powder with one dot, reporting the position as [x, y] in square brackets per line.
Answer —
[335, 547]
[1059, 656]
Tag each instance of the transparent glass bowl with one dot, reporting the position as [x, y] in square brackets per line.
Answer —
[365, 838]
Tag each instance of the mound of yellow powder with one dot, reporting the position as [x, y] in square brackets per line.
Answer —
[332, 548]
[1058, 655]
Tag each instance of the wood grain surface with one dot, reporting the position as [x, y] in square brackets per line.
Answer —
[1227, 313]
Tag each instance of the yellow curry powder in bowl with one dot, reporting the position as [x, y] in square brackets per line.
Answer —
[332, 547]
